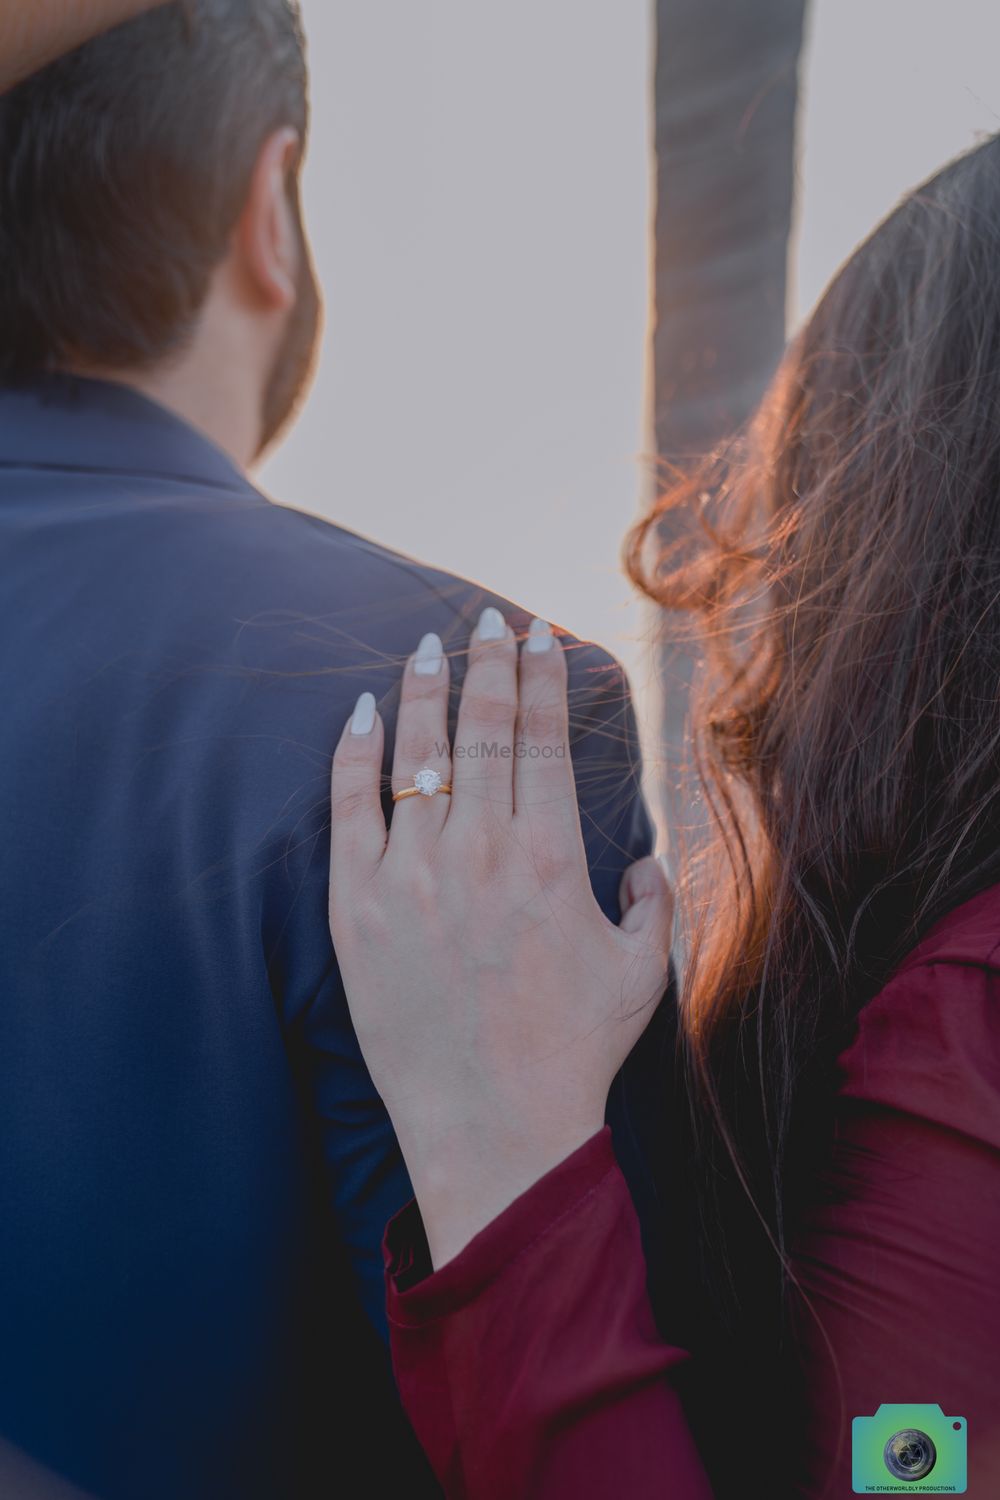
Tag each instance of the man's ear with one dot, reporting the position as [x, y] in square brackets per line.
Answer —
[267, 234]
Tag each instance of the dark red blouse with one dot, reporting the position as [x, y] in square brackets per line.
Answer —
[530, 1364]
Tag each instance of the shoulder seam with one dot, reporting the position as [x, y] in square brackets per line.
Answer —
[985, 964]
[412, 567]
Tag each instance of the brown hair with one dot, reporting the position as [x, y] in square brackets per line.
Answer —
[124, 166]
[839, 565]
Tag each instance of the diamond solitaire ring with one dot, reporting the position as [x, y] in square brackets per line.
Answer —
[426, 783]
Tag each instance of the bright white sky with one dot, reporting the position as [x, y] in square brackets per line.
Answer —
[478, 196]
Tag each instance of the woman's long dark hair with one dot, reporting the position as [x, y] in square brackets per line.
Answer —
[839, 563]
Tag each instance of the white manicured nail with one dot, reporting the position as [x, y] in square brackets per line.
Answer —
[492, 625]
[539, 636]
[430, 655]
[363, 718]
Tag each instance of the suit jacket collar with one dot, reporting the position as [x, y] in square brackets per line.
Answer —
[61, 421]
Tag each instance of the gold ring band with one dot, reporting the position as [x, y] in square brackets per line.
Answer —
[414, 791]
[426, 783]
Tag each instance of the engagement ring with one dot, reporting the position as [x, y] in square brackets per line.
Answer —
[426, 783]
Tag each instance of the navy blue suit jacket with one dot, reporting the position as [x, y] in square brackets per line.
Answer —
[195, 1170]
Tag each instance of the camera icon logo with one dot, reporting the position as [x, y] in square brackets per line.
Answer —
[909, 1450]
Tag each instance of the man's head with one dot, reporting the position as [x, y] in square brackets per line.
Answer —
[150, 225]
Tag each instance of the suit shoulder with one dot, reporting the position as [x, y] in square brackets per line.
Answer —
[465, 598]
[315, 555]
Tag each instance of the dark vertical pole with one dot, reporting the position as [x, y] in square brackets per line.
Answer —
[726, 97]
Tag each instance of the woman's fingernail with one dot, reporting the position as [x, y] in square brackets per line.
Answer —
[492, 625]
[539, 636]
[363, 718]
[430, 655]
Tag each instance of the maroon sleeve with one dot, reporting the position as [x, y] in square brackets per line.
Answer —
[898, 1251]
[530, 1365]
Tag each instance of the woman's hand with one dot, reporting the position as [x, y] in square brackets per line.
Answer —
[493, 1000]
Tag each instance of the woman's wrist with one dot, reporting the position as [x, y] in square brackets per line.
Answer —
[464, 1178]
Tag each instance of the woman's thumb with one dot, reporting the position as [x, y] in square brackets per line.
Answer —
[647, 903]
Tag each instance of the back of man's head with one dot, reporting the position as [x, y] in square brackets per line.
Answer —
[124, 168]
